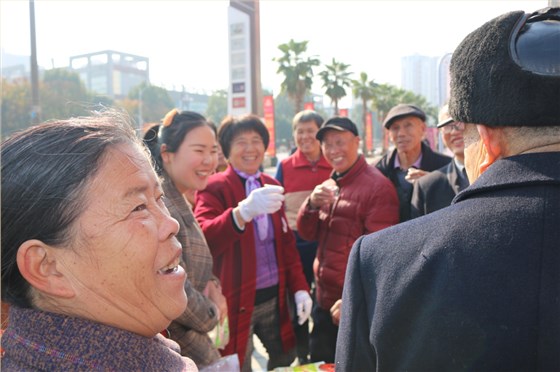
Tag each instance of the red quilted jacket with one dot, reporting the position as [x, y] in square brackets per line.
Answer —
[367, 202]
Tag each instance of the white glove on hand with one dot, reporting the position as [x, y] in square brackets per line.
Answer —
[264, 200]
[303, 306]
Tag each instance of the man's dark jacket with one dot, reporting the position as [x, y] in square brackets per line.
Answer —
[436, 190]
[475, 286]
[430, 161]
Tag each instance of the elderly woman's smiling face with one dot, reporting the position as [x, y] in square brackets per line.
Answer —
[124, 263]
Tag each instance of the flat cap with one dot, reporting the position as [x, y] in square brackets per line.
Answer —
[402, 110]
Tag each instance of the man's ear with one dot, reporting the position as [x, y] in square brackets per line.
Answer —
[491, 141]
[37, 264]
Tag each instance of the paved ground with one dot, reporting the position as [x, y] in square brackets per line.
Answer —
[260, 356]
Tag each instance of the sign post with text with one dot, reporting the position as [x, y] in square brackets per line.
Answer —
[244, 91]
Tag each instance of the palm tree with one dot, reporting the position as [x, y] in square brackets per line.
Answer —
[335, 78]
[365, 90]
[298, 71]
[386, 96]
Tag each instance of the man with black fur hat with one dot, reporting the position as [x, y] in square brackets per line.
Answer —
[475, 286]
[411, 158]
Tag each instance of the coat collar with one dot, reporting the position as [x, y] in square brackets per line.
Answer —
[356, 170]
[526, 169]
[426, 155]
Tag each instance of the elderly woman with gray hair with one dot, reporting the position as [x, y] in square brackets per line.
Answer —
[90, 262]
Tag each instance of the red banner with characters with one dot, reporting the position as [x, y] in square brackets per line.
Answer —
[369, 133]
[268, 110]
[343, 112]
[309, 106]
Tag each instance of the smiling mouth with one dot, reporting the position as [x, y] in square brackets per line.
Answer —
[171, 268]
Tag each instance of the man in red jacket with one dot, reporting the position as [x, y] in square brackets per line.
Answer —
[299, 174]
[356, 200]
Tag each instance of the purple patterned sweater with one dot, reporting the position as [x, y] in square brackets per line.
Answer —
[43, 341]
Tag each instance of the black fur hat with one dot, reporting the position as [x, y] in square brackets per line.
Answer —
[507, 72]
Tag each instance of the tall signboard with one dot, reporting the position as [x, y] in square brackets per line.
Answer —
[244, 93]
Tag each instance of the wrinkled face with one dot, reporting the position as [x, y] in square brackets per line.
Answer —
[304, 136]
[340, 149]
[124, 264]
[407, 133]
[452, 135]
[247, 152]
[194, 161]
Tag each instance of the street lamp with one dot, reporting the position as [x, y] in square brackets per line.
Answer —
[35, 108]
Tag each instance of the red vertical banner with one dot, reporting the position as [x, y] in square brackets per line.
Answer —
[309, 106]
[268, 110]
[369, 133]
[343, 112]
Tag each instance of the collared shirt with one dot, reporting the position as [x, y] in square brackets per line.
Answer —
[401, 173]
[416, 164]
[462, 174]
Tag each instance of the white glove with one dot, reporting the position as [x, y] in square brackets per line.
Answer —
[303, 306]
[264, 200]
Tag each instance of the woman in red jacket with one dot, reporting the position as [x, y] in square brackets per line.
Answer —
[254, 251]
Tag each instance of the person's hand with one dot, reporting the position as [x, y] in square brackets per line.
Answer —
[413, 174]
[336, 309]
[214, 293]
[303, 306]
[264, 200]
[323, 194]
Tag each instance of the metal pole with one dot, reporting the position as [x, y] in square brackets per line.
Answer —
[35, 108]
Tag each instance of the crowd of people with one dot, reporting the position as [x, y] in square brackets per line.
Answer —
[122, 254]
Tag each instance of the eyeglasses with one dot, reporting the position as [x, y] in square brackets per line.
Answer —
[457, 125]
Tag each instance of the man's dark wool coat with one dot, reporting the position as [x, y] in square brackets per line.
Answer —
[436, 190]
[431, 161]
[475, 286]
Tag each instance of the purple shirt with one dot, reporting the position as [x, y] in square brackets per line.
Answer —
[416, 164]
[267, 266]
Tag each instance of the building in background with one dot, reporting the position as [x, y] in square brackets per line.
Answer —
[190, 101]
[420, 75]
[15, 66]
[111, 73]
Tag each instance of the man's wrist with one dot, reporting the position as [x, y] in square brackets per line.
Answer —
[310, 206]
